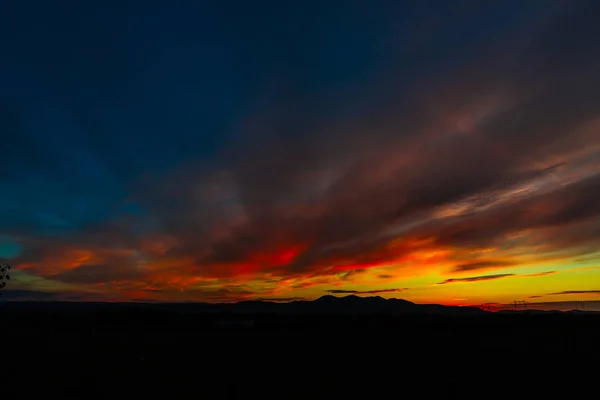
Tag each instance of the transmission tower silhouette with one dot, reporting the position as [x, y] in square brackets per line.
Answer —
[488, 306]
[518, 303]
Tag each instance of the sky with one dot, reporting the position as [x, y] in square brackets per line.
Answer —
[436, 151]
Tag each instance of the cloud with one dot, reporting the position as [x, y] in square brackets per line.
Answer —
[337, 194]
[496, 276]
[352, 274]
[566, 292]
[540, 274]
[593, 257]
[38, 295]
[380, 291]
[97, 273]
[534, 297]
[562, 218]
[475, 278]
[487, 264]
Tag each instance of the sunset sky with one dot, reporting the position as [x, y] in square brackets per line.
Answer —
[437, 151]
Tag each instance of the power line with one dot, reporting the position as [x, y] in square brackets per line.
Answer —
[518, 303]
[489, 307]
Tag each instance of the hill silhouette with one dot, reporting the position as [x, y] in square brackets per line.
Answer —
[352, 304]
[176, 349]
[325, 305]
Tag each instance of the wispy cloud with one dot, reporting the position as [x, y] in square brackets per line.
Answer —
[567, 292]
[495, 276]
[487, 264]
[539, 274]
[475, 278]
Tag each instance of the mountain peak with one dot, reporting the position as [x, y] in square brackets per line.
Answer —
[327, 297]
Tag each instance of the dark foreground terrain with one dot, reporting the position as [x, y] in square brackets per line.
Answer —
[125, 351]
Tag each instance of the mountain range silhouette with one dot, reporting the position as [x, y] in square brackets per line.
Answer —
[328, 304]
[352, 304]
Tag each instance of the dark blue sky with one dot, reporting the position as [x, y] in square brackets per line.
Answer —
[95, 94]
[127, 116]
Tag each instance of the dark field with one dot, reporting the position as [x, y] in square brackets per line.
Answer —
[140, 353]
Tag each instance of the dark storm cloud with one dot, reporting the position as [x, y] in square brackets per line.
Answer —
[476, 278]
